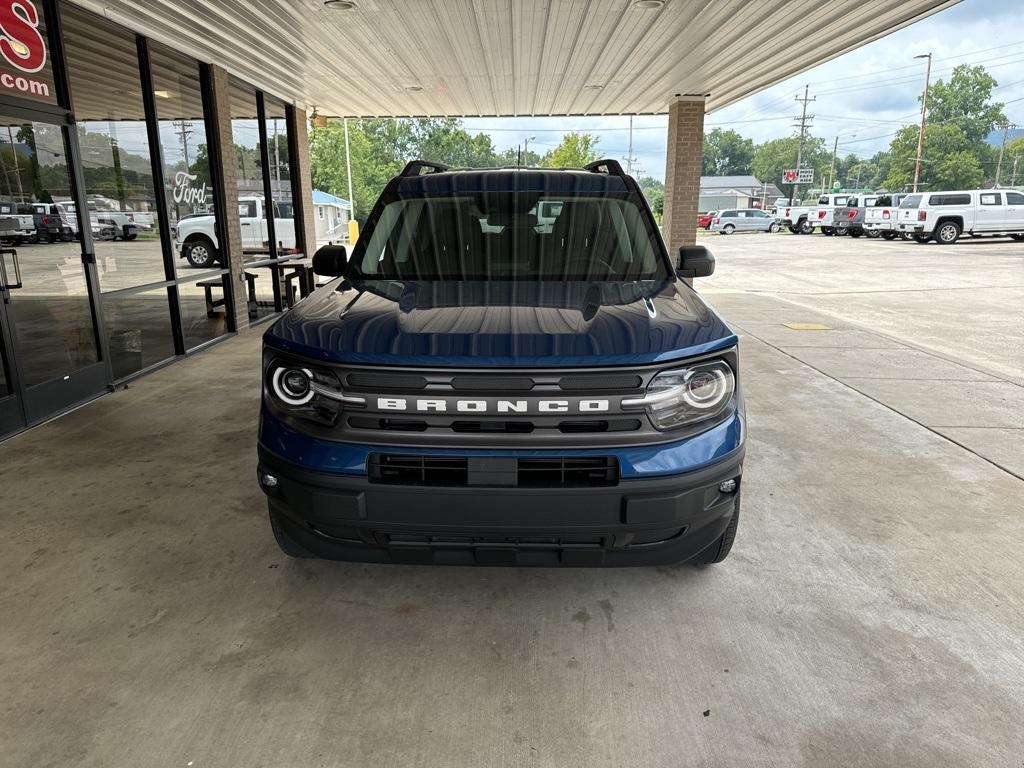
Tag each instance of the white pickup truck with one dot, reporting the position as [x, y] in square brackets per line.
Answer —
[881, 217]
[823, 214]
[196, 236]
[944, 216]
[797, 218]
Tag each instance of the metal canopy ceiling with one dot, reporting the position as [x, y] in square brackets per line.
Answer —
[513, 57]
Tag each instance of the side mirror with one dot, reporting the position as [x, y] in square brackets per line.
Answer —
[695, 261]
[330, 261]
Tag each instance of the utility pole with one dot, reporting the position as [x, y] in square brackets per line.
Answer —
[924, 113]
[1002, 149]
[832, 169]
[629, 153]
[526, 150]
[348, 166]
[184, 131]
[1013, 179]
[804, 118]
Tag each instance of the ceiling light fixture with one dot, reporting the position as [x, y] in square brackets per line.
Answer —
[593, 86]
[340, 5]
[647, 5]
[414, 88]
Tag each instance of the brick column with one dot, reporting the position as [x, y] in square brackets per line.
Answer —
[231, 251]
[300, 166]
[682, 171]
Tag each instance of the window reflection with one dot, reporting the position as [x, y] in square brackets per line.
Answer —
[116, 157]
[49, 310]
[245, 135]
[188, 180]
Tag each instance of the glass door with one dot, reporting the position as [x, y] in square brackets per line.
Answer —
[48, 326]
[11, 416]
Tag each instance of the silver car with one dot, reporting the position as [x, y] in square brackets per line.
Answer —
[744, 220]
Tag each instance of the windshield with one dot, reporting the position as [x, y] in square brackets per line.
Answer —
[513, 236]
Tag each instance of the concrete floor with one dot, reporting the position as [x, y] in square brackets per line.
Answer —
[871, 614]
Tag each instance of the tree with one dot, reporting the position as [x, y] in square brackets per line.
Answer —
[965, 101]
[946, 163]
[654, 191]
[773, 157]
[726, 153]
[1014, 158]
[575, 151]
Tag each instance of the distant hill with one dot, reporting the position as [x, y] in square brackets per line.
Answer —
[996, 137]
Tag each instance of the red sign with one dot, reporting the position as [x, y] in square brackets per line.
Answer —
[23, 47]
[789, 176]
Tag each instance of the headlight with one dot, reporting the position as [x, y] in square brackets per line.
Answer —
[687, 395]
[307, 391]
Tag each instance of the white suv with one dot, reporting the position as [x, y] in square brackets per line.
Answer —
[944, 216]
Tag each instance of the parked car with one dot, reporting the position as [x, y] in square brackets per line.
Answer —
[394, 430]
[797, 218]
[944, 216]
[881, 217]
[822, 214]
[744, 220]
[704, 220]
[849, 219]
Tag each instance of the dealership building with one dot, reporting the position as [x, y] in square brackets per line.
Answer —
[127, 125]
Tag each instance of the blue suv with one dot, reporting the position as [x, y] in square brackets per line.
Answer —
[509, 369]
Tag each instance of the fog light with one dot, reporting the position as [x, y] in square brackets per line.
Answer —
[268, 480]
[727, 487]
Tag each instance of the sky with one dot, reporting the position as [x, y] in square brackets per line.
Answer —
[863, 97]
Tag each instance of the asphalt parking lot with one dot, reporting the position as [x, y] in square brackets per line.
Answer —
[871, 613]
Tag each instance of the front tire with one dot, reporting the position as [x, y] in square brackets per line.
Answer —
[728, 229]
[828, 231]
[947, 233]
[287, 544]
[889, 235]
[872, 233]
[200, 254]
[922, 239]
[718, 551]
[773, 228]
[806, 228]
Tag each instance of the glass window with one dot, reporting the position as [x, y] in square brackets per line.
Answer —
[137, 331]
[116, 159]
[495, 236]
[25, 68]
[188, 184]
[911, 201]
[50, 312]
[949, 200]
[280, 175]
[1014, 198]
[245, 135]
[203, 309]
[992, 198]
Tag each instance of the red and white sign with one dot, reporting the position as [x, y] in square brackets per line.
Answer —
[798, 176]
[23, 48]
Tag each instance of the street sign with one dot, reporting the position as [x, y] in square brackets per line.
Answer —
[798, 176]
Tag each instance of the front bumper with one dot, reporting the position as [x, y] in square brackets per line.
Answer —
[645, 521]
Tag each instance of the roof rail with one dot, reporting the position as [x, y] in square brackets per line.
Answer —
[422, 167]
[608, 166]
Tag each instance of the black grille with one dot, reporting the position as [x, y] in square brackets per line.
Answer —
[560, 472]
[565, 472]
[600, 382]
[498, 383]
[386, 381]
[418, 470]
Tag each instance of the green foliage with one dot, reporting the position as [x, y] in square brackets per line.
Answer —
[575, 151]
[773, 157]
[727, 153]
[965, 101]
[946, 163]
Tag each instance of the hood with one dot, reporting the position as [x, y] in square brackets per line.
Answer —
[501, 324]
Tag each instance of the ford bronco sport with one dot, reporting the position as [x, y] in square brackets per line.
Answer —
[483, 384]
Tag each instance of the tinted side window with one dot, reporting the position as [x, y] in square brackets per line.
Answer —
[842, 200]
[1014, 198]
[822, 201]
[949, 200]
[911, 201]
